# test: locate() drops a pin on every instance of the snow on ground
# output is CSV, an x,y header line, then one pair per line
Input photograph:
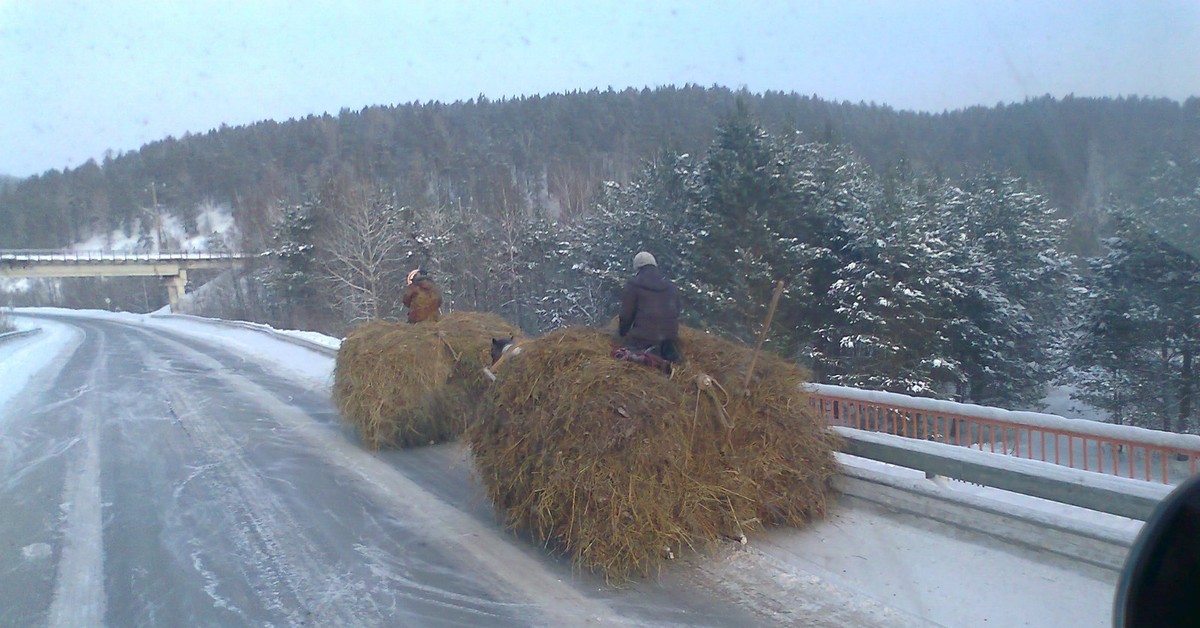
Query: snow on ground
x,y
941,573
1078,517
929,570
311,366
308,365
22,359
164,317
117,240
1058,401
212,222
8,284
900,569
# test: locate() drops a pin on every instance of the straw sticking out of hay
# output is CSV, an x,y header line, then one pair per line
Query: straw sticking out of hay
x,y
404,385
618,466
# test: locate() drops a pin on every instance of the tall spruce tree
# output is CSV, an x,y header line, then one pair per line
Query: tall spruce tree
x,y
745,195
1173,217
1113,354
1006,324
1138,345
294,275
648,214
888,332
767,211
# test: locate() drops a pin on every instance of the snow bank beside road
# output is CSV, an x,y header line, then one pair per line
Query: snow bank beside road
x,y
940,573
1058,401
23,359
311,339
311,364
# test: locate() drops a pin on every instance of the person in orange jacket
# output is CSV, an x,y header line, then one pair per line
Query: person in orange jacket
x,y
422,298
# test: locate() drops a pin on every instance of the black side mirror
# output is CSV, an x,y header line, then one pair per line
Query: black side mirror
x,y
1160,584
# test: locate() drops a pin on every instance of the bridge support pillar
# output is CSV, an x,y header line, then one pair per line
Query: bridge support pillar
x,y
176,288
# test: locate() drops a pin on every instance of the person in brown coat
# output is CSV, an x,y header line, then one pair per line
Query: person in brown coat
x,y
422,298
650,308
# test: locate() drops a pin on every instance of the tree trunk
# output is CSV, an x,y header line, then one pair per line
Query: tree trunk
x,y
1165,370
1185,390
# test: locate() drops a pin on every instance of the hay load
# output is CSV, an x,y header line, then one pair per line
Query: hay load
x,y
621,467
403,385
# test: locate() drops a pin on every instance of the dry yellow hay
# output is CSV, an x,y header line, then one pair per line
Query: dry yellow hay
x,y
403,385
619,466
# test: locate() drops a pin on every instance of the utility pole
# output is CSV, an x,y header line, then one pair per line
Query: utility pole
x,y
157,219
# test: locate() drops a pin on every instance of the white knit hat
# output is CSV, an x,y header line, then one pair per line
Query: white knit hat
x,y
643,259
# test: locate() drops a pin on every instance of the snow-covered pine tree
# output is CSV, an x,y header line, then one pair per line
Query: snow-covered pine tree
x,y
745,195
1114,350
294,274
766,211
1153,289
1170,202
832,190
1136,348
650,213
536,268
1007,326
455,237
1173,217
887,333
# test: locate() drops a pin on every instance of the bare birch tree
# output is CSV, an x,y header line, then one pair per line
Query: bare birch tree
x,y
367,254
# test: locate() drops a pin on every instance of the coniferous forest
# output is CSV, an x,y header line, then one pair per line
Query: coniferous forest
x,y
976,255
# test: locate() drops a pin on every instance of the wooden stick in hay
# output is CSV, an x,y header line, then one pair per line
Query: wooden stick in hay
x,y
705,383
442,336
762,335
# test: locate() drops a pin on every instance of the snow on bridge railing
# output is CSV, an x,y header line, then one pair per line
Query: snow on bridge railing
x,y
47,255
1120,450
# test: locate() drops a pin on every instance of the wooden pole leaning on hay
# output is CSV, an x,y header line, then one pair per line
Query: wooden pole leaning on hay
x,y
442,336
762,335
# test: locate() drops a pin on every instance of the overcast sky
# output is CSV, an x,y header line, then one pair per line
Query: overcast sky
x,y
80,78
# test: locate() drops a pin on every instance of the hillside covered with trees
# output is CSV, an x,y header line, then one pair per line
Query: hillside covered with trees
x,y
973,254
554,150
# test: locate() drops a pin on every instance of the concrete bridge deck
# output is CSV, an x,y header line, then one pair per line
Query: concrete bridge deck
x,y
171,266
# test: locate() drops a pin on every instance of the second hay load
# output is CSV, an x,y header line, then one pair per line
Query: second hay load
x,y
621,467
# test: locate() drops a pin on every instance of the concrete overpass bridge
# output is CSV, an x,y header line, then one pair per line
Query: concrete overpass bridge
x,y
171,266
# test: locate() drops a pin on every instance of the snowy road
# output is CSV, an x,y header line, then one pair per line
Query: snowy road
x,y
151,479
163,472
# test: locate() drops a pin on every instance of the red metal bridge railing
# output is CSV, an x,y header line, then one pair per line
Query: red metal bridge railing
x,y
1120,450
